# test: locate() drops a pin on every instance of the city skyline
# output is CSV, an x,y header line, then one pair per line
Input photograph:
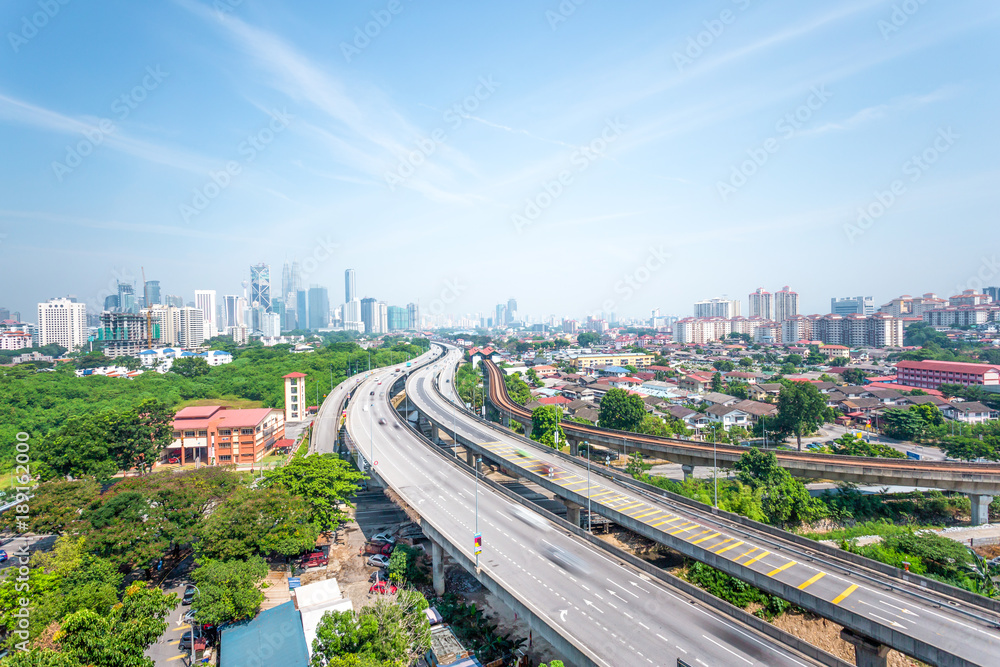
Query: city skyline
x,y
769,146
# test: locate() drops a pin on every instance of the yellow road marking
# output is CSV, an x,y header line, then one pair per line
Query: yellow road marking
x,y
660,523
806,584
575,483
746,553
843,596
781,569
756,558
649,513
707,537
596,495
707,530
731,546
719,544
630,506
186,626
684,527
178,657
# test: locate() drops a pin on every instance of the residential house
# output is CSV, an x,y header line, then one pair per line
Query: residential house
x,y
763,390
692,418
625,383
728,416
755,410
969,412
715,398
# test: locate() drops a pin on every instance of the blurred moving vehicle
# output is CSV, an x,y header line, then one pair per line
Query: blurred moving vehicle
x,y
382,421
565,559
529,517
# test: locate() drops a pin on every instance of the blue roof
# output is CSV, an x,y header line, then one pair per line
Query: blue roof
x,y
274,637
614,369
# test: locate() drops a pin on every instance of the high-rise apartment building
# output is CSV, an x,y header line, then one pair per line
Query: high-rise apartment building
x,y
4,314
413,316
382,317
351,316
122,333
501,315
126,298
232,313
189,324
204,300
993,293
762,304
786,304
319,308
350,289
717,308
173,300
63,322
857,305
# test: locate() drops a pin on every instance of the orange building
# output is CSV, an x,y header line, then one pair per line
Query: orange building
x,y
215,435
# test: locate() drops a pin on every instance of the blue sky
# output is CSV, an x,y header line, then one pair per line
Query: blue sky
x,y
622,156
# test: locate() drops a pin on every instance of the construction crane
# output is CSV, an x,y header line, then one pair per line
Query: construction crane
x,y
149,311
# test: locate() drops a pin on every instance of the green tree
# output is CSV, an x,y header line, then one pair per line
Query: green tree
x,y
587,339
801,409
853,376
746,362
257,521
852,445
723,365
190,367
717,381
228,590
517,388
969,449
903,424
136,436
533,377
340,634
55,505
621,410
784,500
545,425
324,481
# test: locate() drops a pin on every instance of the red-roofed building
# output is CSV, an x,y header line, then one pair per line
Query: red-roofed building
x,y
295,397
546,371
215,435
932,374
561,401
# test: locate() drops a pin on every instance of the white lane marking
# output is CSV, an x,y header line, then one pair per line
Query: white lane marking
x,y
623,588
905,611
749,662
591,604
890,622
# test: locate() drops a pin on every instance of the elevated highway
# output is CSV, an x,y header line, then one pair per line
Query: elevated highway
x,y
978,480
598,610
880,606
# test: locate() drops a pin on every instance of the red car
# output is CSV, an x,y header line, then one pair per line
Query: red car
x,y
383,588
174,459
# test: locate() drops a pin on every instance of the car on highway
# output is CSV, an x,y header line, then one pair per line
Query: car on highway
x,y
382,421
3,556
188,594
383,588
378,560
565,559
396,425
529,517
372,393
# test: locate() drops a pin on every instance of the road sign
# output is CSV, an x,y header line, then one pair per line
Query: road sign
x,y
478,539
376,461
294,582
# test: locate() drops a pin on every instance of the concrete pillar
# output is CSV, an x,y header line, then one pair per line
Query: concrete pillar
x,y
980,508
505,419
527,429
572,512
470,457
867,653
688,470
574,447
435,433
437,568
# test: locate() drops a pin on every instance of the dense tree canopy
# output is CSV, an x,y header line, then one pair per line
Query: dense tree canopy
x,y
545,425
228,590
621,410
324,481
801,409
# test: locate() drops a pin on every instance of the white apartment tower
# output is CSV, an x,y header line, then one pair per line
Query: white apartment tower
x,y
204,300
786,304
63,322
762,304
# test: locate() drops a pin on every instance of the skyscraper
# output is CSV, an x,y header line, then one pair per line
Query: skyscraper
x,y
152,292
173,300
397,318
351,316
319,308
350,289
204,300
786,304
63,322
413,316
4,314
381,317
260,287
302,310
511,310
232,311
762,304
716,308
860,305
501,315
368,315
126,298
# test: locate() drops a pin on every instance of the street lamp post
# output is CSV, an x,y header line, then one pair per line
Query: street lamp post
x,y
193,625
478,462
715,474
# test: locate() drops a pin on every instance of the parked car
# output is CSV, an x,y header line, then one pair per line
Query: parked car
x,y
185,643
383,588
378,560
381,574
3,556
188,594
174,459
384,537
377,547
